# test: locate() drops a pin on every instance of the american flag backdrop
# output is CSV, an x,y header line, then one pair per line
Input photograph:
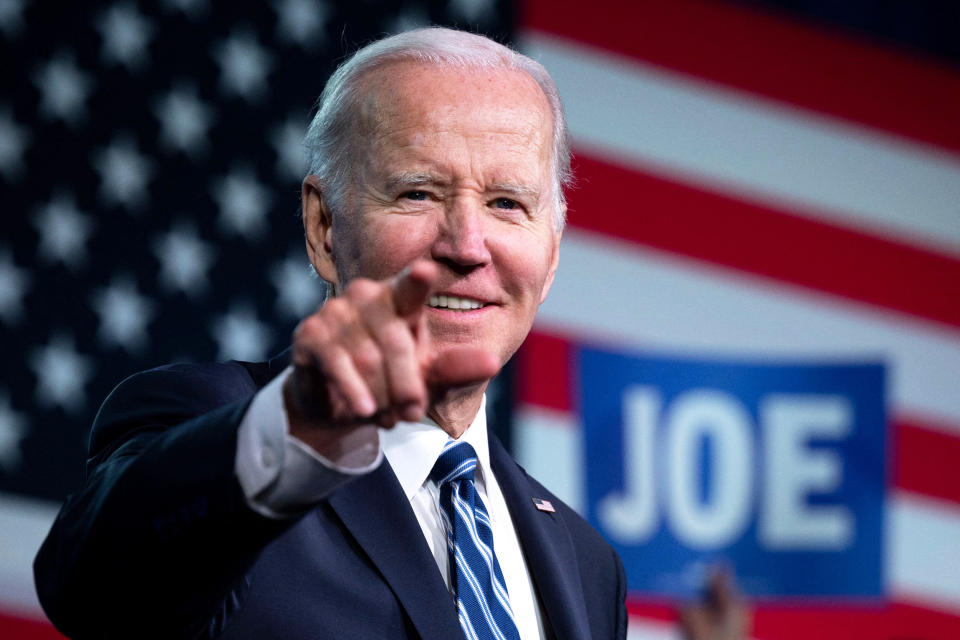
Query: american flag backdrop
x,y
755,180
762,184
150,166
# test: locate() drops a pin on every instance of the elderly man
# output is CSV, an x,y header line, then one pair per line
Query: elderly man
x,y
244,500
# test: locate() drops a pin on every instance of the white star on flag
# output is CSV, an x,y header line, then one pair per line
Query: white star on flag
x,y
193,9
126,36
243,203
63,90
410,18
64,232
244,65
472,11
13,285
287,141
301,21
124,173
12,430
61,373
184,120
299,290
13,140
124,314
11,17
184,260
240,335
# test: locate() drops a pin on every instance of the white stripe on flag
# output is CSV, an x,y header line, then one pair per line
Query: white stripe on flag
x,y
740,144
643,629
547,444
640,299
24,524
639,628
923,539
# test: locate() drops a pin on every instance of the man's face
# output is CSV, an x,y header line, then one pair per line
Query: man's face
x,y
454,167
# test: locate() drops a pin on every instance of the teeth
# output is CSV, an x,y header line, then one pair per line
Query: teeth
x,y
453,302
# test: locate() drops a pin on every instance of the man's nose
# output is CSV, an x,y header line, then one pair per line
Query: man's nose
x,y
462,240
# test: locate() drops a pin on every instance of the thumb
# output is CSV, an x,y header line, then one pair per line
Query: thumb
x,y
459,367
411,289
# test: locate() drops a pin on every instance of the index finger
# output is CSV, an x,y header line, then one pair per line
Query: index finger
x,y
412,287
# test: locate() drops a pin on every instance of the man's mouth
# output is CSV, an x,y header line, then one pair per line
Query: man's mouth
x,y
454,302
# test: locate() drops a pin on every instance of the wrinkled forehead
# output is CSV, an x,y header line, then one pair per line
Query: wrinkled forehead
x,y
399,93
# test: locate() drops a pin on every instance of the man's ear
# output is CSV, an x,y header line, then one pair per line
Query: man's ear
x,y
554,263
318,229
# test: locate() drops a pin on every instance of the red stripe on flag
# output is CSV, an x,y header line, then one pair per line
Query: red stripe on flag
x,y
652,609
543,372
927,461
926,455
723,230
822,69
14,628
892,621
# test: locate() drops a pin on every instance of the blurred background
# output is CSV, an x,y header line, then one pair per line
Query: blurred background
x,y
749,359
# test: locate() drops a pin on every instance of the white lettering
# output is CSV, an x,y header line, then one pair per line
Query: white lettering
x,y
721,420
794,471
631,517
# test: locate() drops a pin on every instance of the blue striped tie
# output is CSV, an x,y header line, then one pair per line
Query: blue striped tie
x,y
482,601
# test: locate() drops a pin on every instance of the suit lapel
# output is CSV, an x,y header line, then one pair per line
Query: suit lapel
x,y
378,515
547,548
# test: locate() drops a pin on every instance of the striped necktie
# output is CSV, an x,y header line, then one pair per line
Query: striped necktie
x,y
482,601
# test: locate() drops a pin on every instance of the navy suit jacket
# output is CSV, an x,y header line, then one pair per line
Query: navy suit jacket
x,y
160,542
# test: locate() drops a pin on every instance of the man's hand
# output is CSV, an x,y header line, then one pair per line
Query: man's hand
x,y
365,357
721,615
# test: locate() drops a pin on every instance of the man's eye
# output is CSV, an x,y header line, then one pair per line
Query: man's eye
x,y
415,195
505,203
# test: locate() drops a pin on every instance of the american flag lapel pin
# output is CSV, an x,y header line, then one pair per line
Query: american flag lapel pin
x,y
543,505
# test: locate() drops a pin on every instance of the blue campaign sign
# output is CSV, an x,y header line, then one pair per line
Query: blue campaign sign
x,y
776,470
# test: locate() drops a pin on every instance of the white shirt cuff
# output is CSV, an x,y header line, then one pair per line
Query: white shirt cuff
x,y
280,475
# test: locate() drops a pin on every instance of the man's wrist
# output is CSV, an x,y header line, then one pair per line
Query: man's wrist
x,y
280,474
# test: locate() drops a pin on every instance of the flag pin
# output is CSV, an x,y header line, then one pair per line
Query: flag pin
x,y
543,505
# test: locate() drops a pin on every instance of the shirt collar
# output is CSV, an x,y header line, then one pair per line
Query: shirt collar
x,y
412,448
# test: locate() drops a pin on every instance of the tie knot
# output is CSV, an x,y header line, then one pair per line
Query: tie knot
x,y
457,460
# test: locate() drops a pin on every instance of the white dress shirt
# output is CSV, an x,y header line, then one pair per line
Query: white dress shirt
x,y
282,476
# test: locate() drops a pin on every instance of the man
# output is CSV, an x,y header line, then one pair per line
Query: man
x,y
248,500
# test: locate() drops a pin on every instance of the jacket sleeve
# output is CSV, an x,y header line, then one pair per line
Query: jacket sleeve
x,y
157,541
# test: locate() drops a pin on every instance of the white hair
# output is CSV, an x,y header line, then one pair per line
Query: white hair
x,y
328,139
